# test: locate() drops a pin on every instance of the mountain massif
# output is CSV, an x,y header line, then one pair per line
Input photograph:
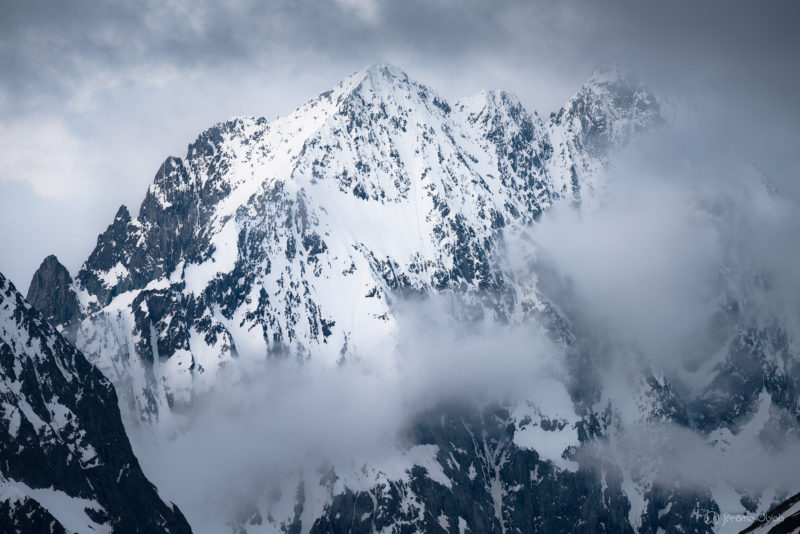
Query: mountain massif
x,y
291,237
296,239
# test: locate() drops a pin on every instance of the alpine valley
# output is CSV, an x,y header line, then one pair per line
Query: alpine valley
x,y
298,246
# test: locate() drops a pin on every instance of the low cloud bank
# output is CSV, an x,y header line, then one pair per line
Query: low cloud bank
x,y
248,438
641,280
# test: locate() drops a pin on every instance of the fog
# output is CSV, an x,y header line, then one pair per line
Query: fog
x,y
690,222
94,97
250,438
641,278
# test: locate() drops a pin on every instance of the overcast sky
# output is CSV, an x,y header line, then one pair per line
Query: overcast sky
x,y
94,95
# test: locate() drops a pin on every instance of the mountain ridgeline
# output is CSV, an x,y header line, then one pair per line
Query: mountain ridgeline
x,y
294,239
374,188
65,461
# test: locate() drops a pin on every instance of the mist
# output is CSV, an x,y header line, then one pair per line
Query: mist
x,y
252,441
647,277
94,97
641,278
696,240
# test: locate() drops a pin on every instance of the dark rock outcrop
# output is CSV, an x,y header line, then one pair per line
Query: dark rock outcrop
x,y
51,294
782,519
64,454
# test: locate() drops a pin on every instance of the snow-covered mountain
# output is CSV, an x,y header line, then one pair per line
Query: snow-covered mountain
x,y
604,115
295,239
292,237
65,461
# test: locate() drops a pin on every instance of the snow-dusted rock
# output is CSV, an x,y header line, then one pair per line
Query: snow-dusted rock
x,y
65,461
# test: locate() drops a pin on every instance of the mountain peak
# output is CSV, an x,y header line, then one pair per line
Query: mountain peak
x,y
384,78
501,98
51,261
493,105
386,71
375,75
611,99
123,214
50,292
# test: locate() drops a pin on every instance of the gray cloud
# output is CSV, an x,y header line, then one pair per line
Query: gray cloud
x,y
51,48
94,95
259,432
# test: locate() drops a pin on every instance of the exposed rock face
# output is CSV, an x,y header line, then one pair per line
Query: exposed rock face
x,y
487,484
65,460
782,519
52,295
25,515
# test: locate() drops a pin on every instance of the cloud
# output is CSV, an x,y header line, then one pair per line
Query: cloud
x,y
246,439
49,51
675,456
42,152
642,266
367,10
94,95
690,223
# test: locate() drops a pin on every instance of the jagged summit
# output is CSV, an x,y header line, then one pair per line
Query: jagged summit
x,y
382,72
376,75
51,294
604,115
615,96
491,100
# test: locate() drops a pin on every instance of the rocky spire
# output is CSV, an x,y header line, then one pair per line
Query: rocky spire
x,y
51,293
